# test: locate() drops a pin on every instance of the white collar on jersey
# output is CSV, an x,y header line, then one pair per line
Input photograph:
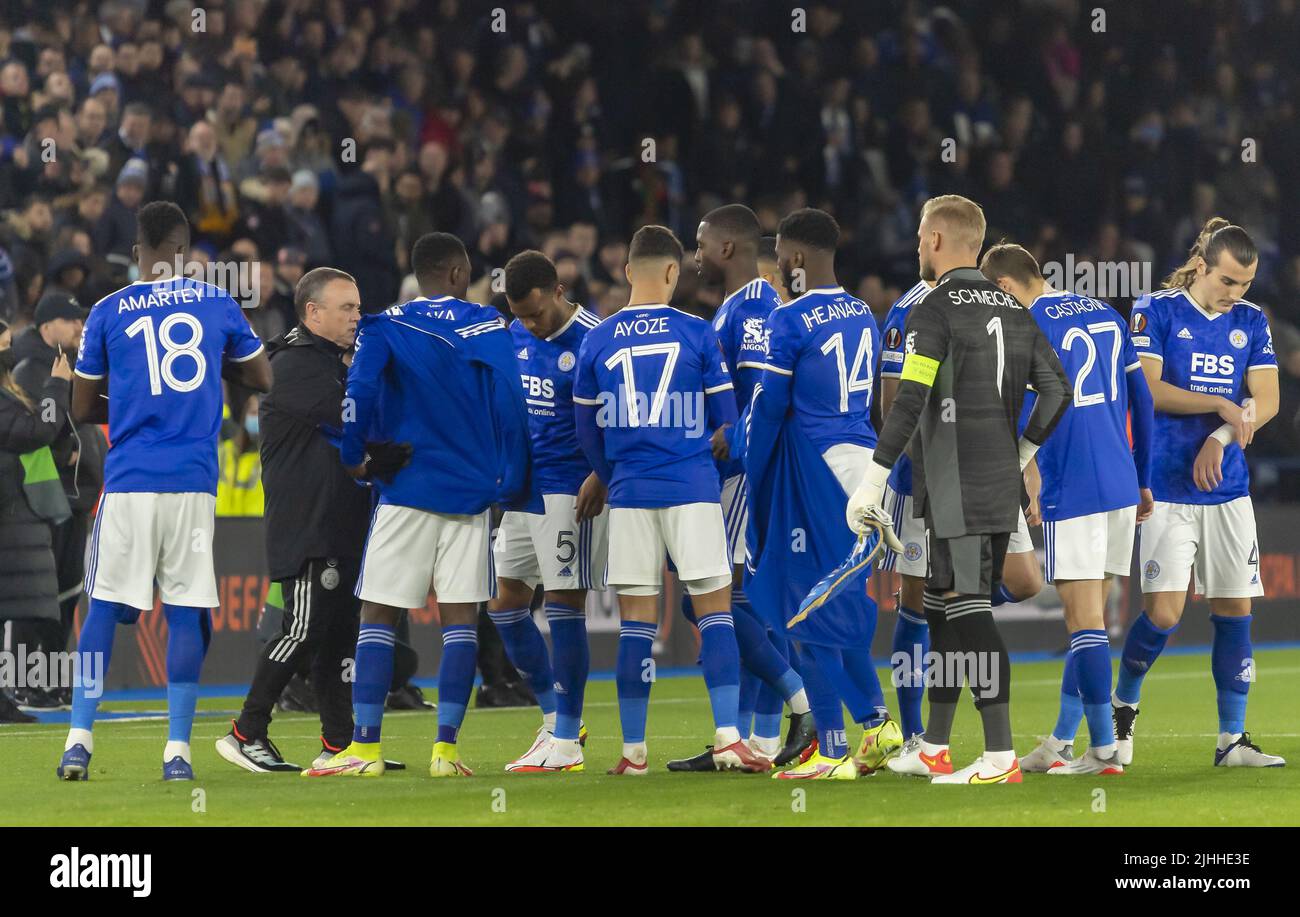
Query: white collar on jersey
x,y
577,310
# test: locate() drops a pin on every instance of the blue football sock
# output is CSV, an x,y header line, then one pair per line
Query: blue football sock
x,y
456,677
526,649
911,643
373,674
757,651
747,701
185,651
1091,652
827,709
1071,712
768,710
1232,660
688,607
1001,596
94,650
1142,647
871,710
720,660
571,664
634,674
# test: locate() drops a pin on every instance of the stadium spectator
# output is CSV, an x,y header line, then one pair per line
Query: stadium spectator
x,y
28,504
77,450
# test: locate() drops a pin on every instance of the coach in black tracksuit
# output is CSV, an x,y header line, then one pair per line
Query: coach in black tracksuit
x,y
316,521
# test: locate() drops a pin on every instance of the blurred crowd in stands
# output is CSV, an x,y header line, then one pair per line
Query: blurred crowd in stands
x,y
296,133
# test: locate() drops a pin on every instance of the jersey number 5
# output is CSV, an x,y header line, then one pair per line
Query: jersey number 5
x,y
165,370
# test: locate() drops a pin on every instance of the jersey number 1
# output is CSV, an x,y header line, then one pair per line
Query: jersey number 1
x,y
165,370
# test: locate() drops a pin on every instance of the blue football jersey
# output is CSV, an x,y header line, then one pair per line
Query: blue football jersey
x,y
1087,463
1210,354
832,338
891,366
659,386
741,324
547,368
161,344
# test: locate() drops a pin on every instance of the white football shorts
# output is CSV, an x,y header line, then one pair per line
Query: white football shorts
x,y
554,549
409,550
1218,540
1090,547
692,534
142,537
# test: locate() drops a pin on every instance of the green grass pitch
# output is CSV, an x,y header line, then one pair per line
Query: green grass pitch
x,y
1171,783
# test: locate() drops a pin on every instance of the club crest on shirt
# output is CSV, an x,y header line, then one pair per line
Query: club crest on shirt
x,y
756,334
1237,338
566,361
911,342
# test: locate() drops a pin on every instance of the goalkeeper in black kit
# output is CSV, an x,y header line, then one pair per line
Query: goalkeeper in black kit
x,y
970,351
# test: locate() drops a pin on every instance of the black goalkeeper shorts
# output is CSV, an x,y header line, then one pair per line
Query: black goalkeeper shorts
x,y
969,565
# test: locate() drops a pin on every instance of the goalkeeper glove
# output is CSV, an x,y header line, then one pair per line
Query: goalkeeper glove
x,y
384,459
865,506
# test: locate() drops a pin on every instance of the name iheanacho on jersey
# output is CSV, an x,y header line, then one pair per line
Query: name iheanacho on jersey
x,y
833,311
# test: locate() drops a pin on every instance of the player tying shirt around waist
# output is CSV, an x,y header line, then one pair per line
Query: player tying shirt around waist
x,y
153,354
726,254
563,549
809,446
439,373
1091,488
652,387
1203,349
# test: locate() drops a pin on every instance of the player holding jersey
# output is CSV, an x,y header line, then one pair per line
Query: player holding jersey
x,y
440,373
816,393
1203,349
727,254
563,549
1091,488
156,350
652,387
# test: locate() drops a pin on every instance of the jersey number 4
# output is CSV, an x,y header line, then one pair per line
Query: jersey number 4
x,y
851,381
164,370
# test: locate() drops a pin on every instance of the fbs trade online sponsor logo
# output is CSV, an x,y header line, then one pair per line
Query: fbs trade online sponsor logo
x,y
103,870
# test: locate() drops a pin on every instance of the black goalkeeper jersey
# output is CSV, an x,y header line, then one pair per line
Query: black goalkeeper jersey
x,y
970,350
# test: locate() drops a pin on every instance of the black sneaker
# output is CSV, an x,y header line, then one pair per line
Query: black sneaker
x,y
9,712
297,697
408,697
1123,717
257,755
701,762
801,734
35,699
